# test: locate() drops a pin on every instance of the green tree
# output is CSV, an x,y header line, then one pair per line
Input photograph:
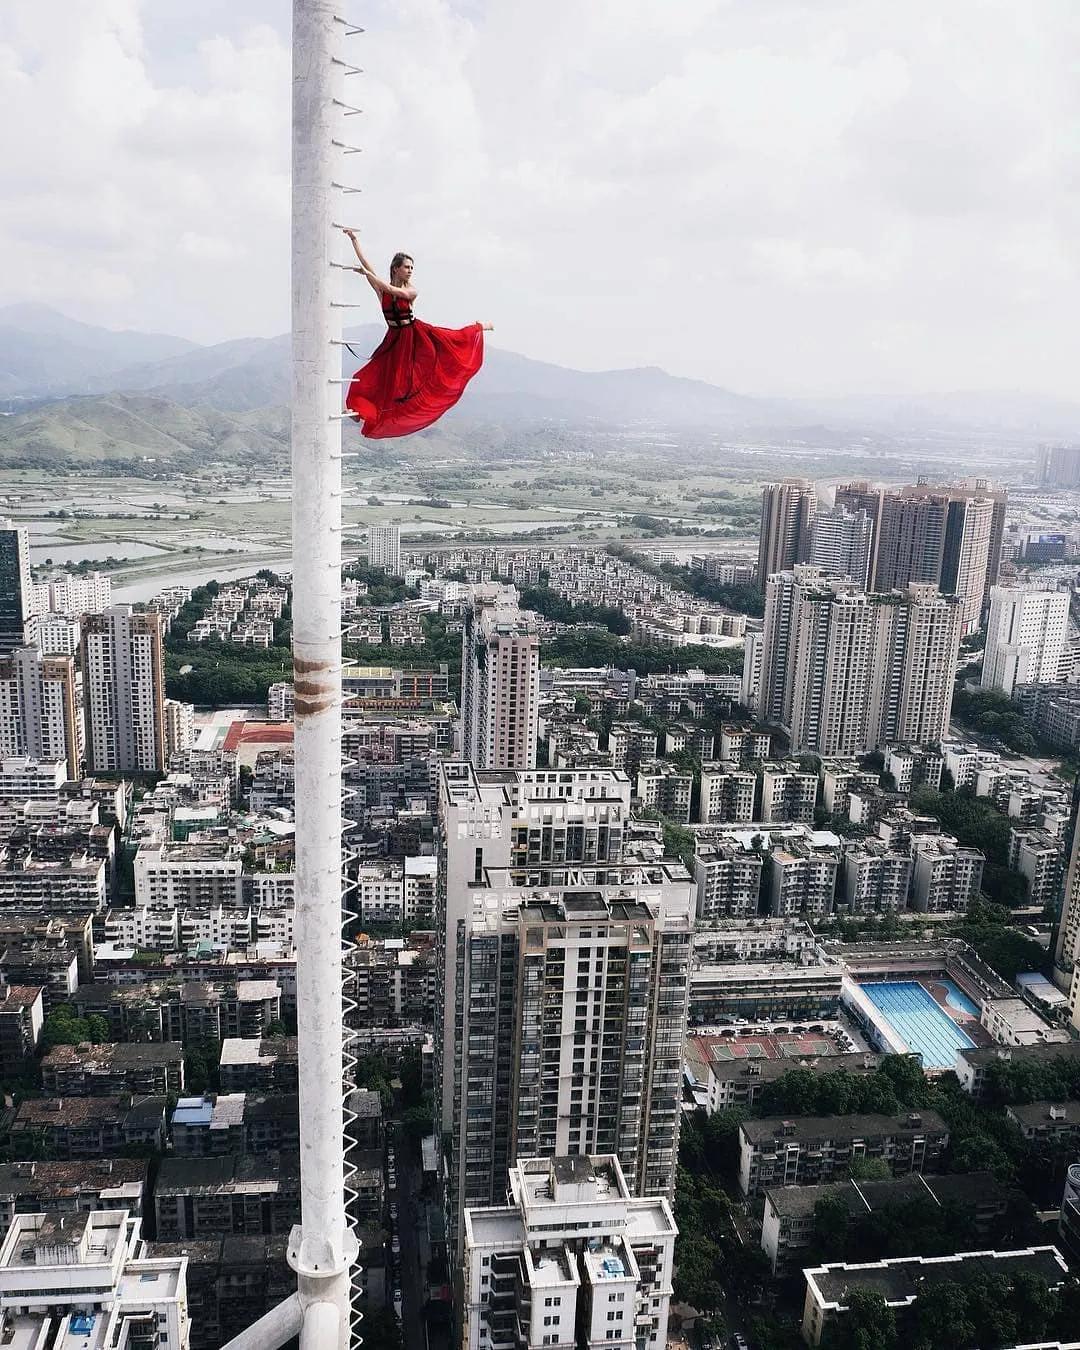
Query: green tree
x,y
942,1318
870,1169
868,1324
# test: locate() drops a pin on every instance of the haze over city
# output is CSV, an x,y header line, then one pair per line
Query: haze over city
x,y
791,197
561,838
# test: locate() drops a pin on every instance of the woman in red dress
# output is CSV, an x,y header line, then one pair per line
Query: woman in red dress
x,y
418,371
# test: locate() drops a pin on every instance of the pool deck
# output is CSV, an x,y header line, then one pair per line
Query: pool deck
x,y
921,1015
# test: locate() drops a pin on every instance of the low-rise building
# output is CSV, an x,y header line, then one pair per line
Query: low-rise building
x,y
877,878
720,1081
72,1187
110,1069
901,1280
87,1127
945,875
265,1065
788,793
1011,1021
913,766
770,991
1038,856
728,792
232,1282
973,1065
207,1197
1039,1121
420,881
728,880
663,788
22,1016
814,1149
802,880
789,1222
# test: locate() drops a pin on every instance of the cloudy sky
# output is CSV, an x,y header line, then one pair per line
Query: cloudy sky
x,y
780,196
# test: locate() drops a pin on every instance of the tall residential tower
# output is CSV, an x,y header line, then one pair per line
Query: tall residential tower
x,y
17,624
124,691
787,510
500,686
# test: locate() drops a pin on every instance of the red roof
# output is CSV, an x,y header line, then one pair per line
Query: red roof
x,y
263,733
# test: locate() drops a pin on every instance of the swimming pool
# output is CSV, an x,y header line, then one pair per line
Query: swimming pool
x,y
956,998
919,1022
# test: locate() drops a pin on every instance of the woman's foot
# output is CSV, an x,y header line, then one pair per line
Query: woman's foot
x,y
487,327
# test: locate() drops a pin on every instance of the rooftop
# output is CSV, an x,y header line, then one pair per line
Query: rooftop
x,y
1057,1115
807,1128
900,1280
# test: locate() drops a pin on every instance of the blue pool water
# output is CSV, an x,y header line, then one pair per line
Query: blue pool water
x,y
919,1022
956,998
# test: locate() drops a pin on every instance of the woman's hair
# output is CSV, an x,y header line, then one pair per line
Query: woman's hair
x,y
398,259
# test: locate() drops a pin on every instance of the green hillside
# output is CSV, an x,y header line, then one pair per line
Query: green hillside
x,y
140,428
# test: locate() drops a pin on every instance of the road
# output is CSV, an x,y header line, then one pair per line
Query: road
x,y
410,1217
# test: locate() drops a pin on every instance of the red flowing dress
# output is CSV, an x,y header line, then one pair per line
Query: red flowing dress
x,y
415,374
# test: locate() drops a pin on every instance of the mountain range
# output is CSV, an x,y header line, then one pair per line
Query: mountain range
x,y
78,392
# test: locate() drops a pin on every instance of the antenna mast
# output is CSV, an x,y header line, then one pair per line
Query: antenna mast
x,y
322,1248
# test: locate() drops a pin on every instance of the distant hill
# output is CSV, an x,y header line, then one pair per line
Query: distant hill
x,y
44,353
155,394
140,428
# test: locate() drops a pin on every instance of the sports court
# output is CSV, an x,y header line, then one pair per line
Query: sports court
x,y
774,1046
927,1022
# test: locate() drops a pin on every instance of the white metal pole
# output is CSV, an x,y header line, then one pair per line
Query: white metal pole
x,y
322,1248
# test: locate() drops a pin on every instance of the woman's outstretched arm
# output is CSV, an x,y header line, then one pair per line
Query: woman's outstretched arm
x,y
373,279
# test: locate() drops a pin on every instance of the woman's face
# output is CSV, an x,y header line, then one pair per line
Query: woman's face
x,y
403,272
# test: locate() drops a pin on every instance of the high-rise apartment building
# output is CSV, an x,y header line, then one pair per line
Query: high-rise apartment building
x,y
17,625
67,593
124,691
845,672
1067,937
574,1259
1059,465
572,1012
384,548
83,1279
1026,633
562,981
787,511
949,536
58,634
500,686
841,543
863,496
41,712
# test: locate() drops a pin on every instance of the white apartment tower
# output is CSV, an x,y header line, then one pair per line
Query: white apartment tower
x,y
500,687
1025,637
73,595
85,1280
841,544
384,548
41,712
574,1259
124,691
562,981
845,672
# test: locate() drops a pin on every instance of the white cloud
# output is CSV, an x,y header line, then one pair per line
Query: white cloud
x,y
779,195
